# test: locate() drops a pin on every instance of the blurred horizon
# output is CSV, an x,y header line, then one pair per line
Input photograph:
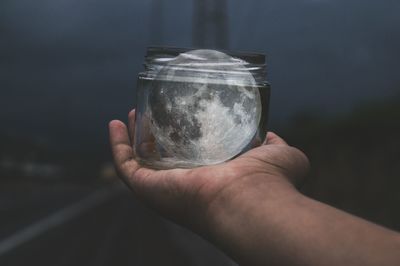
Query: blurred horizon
x,y
68,67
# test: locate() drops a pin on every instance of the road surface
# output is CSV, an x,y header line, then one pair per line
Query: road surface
x,y
61,224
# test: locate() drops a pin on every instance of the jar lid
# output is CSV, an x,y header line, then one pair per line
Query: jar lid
x,y
167,52
204,65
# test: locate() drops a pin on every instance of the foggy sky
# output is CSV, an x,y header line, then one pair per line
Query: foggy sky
x,y
69,66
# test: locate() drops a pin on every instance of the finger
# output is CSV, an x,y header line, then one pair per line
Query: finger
x,y
131,125
121,149
272,138
256,142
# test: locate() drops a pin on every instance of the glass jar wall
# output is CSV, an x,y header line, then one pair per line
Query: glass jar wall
x,y
199,107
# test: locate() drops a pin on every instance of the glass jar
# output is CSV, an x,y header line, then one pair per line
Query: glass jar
x,y
199,107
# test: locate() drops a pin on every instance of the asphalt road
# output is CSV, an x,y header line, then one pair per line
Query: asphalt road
x,y
61,223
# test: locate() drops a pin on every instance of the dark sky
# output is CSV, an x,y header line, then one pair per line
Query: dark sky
x,y
69,66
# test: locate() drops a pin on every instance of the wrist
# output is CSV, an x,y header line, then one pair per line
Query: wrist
x,y
233,217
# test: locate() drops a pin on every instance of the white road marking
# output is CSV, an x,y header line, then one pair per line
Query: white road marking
x,y
56,219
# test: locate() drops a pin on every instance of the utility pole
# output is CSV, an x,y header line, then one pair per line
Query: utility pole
x,y
156,22
210,24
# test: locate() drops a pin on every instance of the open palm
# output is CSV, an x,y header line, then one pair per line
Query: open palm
x,y
185,195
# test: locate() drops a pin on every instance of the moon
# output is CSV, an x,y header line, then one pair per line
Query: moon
x,y
200,111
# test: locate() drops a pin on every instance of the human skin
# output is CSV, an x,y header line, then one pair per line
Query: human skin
x,y
250,208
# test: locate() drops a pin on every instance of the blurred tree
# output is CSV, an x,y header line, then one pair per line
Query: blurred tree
x,y
354,160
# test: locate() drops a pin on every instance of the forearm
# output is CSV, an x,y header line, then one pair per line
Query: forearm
x,y
283,227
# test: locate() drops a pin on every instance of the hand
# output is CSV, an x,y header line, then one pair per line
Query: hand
x,y
249,207
187,195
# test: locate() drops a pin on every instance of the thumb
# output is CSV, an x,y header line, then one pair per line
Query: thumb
x,y
273,138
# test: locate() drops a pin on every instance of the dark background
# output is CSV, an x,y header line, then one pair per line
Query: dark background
x,y
69,67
